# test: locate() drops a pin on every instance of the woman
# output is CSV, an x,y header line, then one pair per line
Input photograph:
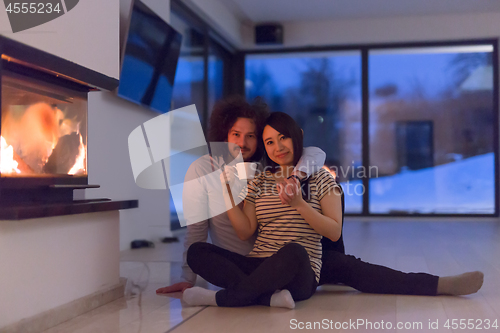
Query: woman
x,y
287,253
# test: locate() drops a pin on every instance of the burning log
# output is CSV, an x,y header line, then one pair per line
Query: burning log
x,y
64,155
33,135
22,166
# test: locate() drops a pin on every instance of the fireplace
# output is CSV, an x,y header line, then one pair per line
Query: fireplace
x,y
44,232
43,125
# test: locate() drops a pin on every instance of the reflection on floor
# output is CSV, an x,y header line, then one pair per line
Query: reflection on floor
x,y
441,248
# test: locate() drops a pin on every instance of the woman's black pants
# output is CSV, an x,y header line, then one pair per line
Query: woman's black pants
x,y
252,281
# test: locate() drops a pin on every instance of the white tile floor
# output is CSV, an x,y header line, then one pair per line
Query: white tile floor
x,y
441,248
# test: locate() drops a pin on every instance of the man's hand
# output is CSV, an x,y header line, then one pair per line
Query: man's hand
x,y
232,186
228,175
181,286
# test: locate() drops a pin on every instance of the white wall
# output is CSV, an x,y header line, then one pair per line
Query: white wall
x,y
220,18
352,31
72,36
49,262
399,29
111,119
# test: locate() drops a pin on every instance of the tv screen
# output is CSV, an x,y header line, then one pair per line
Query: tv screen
x,y
150,59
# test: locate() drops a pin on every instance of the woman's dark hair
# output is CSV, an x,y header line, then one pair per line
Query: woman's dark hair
x,y
285,125
228,110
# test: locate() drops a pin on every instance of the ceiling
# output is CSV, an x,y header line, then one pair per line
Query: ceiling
x,y
260,11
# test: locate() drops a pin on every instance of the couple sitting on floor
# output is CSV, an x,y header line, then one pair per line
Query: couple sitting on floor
x,y
286,238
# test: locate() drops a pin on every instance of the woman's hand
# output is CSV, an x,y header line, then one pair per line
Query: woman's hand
x,y
290,192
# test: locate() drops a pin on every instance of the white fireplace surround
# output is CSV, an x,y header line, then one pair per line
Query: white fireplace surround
x,y
50,262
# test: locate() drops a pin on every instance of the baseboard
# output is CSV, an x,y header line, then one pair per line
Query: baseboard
x,y
56,316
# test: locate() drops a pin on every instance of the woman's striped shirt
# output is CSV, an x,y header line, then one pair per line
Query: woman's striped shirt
x,y
280,224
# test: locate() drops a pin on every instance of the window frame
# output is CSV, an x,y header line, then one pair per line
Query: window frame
x,y
210,37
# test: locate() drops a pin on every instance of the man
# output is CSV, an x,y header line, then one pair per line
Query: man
x,y
240,124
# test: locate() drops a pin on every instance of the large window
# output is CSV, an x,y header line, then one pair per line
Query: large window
x,y
218,67
190,75
322,91
407,130
432,130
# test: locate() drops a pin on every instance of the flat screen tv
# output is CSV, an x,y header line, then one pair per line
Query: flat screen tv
x,y
149,60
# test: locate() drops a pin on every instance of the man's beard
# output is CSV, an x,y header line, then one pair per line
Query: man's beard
x,y
236,150
245,151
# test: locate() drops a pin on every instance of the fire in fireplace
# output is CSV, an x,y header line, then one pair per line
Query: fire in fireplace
x,y
43,127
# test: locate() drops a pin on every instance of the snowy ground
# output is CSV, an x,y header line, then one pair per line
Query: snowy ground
x,y
462,187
